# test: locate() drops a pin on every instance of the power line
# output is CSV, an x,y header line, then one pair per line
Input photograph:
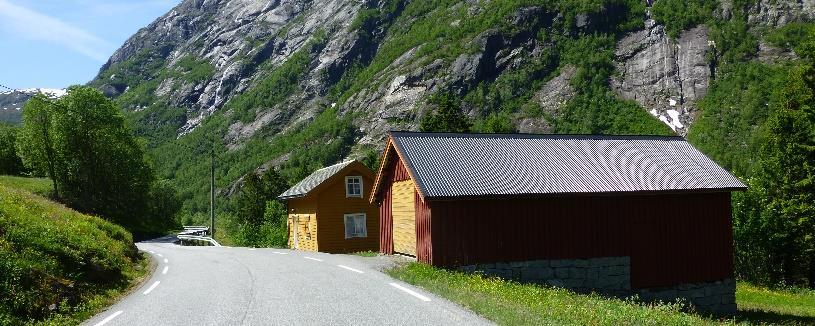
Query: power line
x,y
8,88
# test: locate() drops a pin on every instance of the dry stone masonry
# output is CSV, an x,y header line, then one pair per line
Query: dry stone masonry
x,y
610,276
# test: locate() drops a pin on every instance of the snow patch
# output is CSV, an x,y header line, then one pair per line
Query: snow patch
x,y
654,112
672,102
675,119
665,120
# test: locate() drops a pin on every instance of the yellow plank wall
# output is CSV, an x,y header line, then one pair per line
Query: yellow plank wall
x,y
306,213
332,205
404,217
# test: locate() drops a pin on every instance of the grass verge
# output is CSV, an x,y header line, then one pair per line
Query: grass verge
x,y
760,305
58,266
511,303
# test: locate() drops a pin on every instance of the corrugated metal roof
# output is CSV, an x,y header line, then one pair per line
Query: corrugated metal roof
x,y
453,165
308,184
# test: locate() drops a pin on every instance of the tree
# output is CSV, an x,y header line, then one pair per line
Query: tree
x,y
774,222
35,141
97,164
256,195
447,117
10,162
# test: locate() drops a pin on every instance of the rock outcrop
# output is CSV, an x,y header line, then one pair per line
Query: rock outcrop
x,y
667,77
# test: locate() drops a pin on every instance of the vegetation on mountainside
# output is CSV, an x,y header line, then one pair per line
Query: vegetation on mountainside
x,y
447,116
511,303
80,141
58,266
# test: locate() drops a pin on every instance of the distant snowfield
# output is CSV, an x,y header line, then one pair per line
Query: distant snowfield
x,y
50,92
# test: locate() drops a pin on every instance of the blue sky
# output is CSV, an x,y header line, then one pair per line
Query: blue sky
x,y
58,43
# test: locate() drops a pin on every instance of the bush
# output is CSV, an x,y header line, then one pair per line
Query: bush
x,y
53,259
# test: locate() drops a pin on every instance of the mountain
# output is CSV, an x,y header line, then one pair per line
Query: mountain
x,y
301,84
11,102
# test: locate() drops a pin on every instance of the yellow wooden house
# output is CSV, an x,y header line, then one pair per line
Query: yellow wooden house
x,y
328,211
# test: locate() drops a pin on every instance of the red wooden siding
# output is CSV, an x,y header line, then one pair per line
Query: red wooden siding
x,y
671,238
424,243
395,171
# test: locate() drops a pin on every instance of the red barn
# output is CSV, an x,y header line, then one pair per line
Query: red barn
x,y
614,214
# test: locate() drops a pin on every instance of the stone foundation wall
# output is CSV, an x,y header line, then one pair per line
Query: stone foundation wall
x,y
610,276
717,297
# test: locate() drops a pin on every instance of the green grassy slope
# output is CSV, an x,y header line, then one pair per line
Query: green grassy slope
x,y
58,266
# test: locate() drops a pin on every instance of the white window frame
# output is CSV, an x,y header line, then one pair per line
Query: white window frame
x,y
355,233
361,188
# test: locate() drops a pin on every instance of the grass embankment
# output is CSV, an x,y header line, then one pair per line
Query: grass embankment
x,y
58,266
39,186
511,303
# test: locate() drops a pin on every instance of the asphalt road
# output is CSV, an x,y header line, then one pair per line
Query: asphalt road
x,y
242,286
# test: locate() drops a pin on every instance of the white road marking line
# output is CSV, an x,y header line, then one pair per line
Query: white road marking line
x,y
312,258
351,269
166,268
152,287
251,249
279,253
109,318
166,261
160,255
411,292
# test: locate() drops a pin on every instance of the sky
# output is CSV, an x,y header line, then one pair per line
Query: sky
x,y
58,43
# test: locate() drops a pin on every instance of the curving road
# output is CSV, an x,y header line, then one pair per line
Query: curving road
x,y
242,286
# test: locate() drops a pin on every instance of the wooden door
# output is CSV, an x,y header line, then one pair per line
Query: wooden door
x,y
404,217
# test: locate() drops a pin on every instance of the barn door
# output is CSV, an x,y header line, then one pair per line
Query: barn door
x,y
404,217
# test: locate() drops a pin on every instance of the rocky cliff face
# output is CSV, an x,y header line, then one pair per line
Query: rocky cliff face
x,y
268,68
665,76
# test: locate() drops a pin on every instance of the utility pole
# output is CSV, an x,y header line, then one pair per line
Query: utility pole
x,y
212,196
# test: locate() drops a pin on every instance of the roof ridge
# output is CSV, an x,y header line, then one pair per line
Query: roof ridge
x,y
398,133
335,165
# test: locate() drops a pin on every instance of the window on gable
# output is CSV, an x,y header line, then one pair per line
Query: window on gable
x,y
353,186
355,226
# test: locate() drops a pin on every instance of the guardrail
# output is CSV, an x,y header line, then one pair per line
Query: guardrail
x,y
186,237
195,230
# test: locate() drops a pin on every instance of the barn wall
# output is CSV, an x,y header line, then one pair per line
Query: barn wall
x,y
424,243
303,211
671,238
395,171
332,205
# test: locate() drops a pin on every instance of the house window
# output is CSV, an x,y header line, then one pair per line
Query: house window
x,y
355,226
353,186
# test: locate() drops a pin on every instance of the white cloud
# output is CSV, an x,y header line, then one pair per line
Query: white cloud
x,y
24,22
